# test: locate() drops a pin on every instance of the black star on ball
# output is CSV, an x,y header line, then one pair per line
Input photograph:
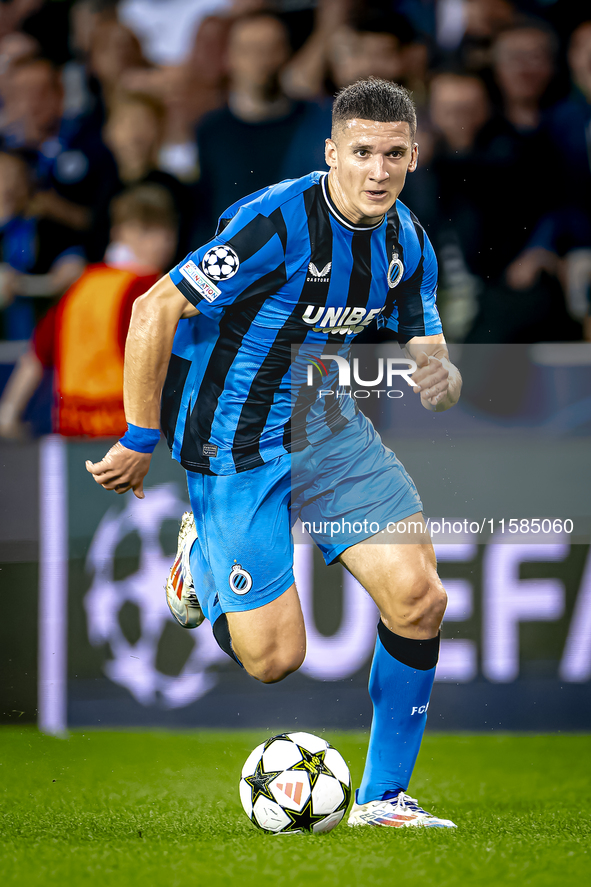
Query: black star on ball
x,y
304,820
312,764
273,738
259,782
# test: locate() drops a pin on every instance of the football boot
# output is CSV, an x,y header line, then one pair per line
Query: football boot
x,y
180,589
399,812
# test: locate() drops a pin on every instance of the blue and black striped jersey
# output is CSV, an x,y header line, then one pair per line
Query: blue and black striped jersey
x,y
285,279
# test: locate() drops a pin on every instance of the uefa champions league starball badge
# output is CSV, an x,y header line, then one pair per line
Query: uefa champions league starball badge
x,y
220,263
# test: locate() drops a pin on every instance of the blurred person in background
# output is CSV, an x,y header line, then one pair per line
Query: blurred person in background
x,y
186,92
524,66
351,41
166,29
83,337
45,21
569,121
466,32
39,258
305,75
13,48
459,110
14,12
489,207
372,46
134,132
82,93
114,50
74,172
261,136
569,128
190,91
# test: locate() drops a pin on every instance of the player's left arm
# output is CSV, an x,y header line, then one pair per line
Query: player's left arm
x,y
437,380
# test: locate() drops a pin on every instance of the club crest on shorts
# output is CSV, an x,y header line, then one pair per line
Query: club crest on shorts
x,y
240,580
395,271
220,263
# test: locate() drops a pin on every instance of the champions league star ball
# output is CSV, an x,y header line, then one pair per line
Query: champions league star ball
x,y
295,782
220,263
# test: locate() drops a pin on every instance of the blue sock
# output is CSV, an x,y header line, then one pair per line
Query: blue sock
x,y
400,683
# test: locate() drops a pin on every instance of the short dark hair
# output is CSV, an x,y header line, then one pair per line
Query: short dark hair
x,y
374,99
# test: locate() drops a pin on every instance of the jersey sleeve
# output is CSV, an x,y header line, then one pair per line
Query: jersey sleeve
x,y
245,260
414,309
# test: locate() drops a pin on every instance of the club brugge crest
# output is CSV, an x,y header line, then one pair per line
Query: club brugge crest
x,y
395,271
240,580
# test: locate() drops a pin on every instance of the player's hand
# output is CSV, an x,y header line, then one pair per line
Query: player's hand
x,y
8,285
121,470
11,427
431,378
524,271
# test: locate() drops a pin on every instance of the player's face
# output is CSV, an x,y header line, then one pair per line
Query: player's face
x,y
368,165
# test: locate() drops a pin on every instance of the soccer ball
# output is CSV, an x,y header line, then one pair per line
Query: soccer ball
x,y
295,782
220,263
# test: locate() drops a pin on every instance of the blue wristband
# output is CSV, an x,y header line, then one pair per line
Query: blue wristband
x,y
142,440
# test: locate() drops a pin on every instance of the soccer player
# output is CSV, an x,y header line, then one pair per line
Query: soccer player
x,y
215,354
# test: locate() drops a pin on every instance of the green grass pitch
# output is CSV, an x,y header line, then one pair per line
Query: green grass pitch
x,y
155,808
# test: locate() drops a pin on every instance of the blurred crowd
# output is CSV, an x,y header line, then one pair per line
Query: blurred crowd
x,y
127,126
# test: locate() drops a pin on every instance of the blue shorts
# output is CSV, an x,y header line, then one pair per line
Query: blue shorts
x,y
344,490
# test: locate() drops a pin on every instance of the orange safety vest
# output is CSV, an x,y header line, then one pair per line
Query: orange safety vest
x,y
89,358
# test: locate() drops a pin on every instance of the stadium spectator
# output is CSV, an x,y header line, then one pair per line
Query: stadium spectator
x,y
82,94
572,117
467,45
352,42
523,64
190,91
39,258
13,14
305,75
74,172
187,91
568,124
46,21
232,50
134,132
489,203
261,136
167,30
371,47
459,110
83,337
114,50
569,127
13,48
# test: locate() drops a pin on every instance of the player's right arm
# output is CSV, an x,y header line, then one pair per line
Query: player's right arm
x,y
254,267
147,353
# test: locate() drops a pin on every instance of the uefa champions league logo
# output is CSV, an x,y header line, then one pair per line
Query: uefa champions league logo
x,y
220,263
134,665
